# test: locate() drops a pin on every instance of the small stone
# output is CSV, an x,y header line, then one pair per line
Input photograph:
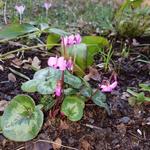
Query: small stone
x,y
124,120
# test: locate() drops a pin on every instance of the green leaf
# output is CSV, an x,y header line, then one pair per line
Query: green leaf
x,y
135,3
70,91
132,92
72,80
48,73
52,39
21,120
100,99
43,26
58,32
95,43
73,107
48,102
15,30
145,87
86,92
79,52
47,87
1,3
140,97
31,85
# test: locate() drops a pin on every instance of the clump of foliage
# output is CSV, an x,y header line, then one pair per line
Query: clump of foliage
x,y
61,85
131,20
140,97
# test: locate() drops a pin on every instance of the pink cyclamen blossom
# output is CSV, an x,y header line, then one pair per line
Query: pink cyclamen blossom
x,y
78,39
70,64
57,63
52,62
58,89
71,40
47,5
61,63
108,87
20,8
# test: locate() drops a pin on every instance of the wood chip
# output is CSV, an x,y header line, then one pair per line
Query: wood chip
x,y
3,104
57,144
36,63
11,77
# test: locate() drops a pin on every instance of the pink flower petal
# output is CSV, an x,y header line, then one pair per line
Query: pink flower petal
x,y
61,63
78,38
20,8
58,89
70,64
47,5
109,87
114,84
52,61
71,40
106,88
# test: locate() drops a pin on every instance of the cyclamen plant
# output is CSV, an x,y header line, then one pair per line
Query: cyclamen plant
x,y
47,5
20,9
71,40
61,91
58,83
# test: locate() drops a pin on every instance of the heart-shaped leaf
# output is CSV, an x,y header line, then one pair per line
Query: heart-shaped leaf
x,y
48,102
48,73
100,99
47,87
79,52
73,107
86,92
31,85
15,30
21,120
72,80
52,39
95,43
70,91
58,31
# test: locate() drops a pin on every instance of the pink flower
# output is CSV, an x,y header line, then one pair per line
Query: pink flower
x,y
70,64
108,87
78,38
47,5
61,63
58,89
20,8
57,63
52,62
71,40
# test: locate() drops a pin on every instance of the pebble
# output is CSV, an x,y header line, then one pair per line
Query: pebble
x,y
125,119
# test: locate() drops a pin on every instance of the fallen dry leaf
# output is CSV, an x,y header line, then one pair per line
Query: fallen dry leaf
x,y
3,105
85,145
36,63
11,77
57,144
93,74
17,62
63,125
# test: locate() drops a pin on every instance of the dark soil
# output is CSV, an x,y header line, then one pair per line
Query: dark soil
x,y
127,128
